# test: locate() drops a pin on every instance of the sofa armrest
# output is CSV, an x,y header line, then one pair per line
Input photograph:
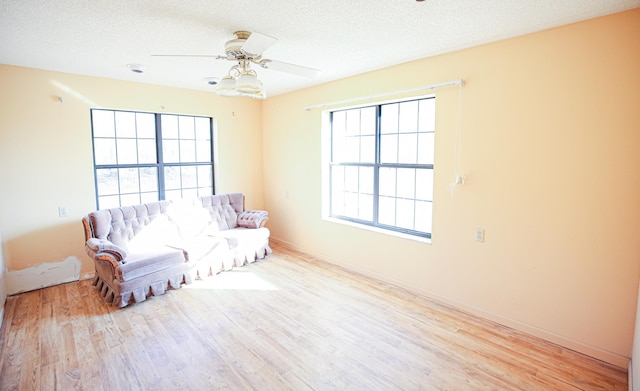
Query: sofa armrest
x,y
107,258
253,218
105,247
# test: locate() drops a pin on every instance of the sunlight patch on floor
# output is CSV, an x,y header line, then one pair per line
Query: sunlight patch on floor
x,y
235,279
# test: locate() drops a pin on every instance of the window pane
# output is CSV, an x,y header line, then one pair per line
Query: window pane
x,y
406,182
389,148
172,178
351,204
103,123
189,177
171,151
105,151
425,148
169,126
127,151
351,179
130,199
387,182
366,180
352,149
389,118
129,180
353,123
147,151
148,179
339,119
205,179
149,197
203,128
337,190
427,119
409,117
125,124
404,213
367,149
387,211
186,127
203,151
407,148
365,209
146,125
424,185
107,180
107,202
187,151
368,121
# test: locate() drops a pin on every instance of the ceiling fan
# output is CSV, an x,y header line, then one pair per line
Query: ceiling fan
x,y
246,49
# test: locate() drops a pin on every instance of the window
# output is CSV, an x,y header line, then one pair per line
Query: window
x,y
143,157
381,165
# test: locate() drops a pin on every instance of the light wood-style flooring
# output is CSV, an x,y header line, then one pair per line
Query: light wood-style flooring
x,y
289,322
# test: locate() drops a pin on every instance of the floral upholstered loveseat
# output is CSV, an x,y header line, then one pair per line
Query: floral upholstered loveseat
x,y
145,249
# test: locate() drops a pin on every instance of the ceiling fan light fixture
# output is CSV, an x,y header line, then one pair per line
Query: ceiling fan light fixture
x,y
241,81
227,87
248,83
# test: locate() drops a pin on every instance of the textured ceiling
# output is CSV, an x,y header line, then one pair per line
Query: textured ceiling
x,y
340,38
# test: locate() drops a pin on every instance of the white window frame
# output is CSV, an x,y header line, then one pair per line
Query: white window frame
x,y
189,153
328,164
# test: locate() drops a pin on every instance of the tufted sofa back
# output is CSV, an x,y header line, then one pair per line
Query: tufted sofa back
x,y
121,225
223,209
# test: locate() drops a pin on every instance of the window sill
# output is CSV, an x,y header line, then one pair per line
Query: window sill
x,y
379,230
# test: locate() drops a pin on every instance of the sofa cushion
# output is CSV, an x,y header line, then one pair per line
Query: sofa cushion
x,y
158,232
190,219
143,263
243,236
200,246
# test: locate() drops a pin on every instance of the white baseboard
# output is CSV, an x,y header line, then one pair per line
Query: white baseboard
x,y
591,351
43,275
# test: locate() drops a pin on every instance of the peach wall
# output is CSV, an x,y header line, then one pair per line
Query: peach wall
x,y
46,154
550,145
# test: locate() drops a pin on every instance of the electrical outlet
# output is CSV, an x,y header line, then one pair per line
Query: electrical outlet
x,y
479,235
63,211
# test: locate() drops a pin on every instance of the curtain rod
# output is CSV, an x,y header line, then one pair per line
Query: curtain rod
x,y
457,82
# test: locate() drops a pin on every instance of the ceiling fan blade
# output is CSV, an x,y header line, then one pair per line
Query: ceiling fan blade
x,y
289,68
216,56
257,43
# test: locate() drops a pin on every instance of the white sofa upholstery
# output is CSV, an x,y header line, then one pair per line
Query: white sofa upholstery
x,y
143,250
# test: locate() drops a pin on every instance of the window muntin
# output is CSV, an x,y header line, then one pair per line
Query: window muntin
x,y
381,165
142,157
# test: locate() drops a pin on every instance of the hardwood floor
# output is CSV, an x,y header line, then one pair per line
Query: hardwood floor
x,y
289,322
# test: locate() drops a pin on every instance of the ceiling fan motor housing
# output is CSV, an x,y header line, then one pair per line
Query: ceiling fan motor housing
x,y
233,48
